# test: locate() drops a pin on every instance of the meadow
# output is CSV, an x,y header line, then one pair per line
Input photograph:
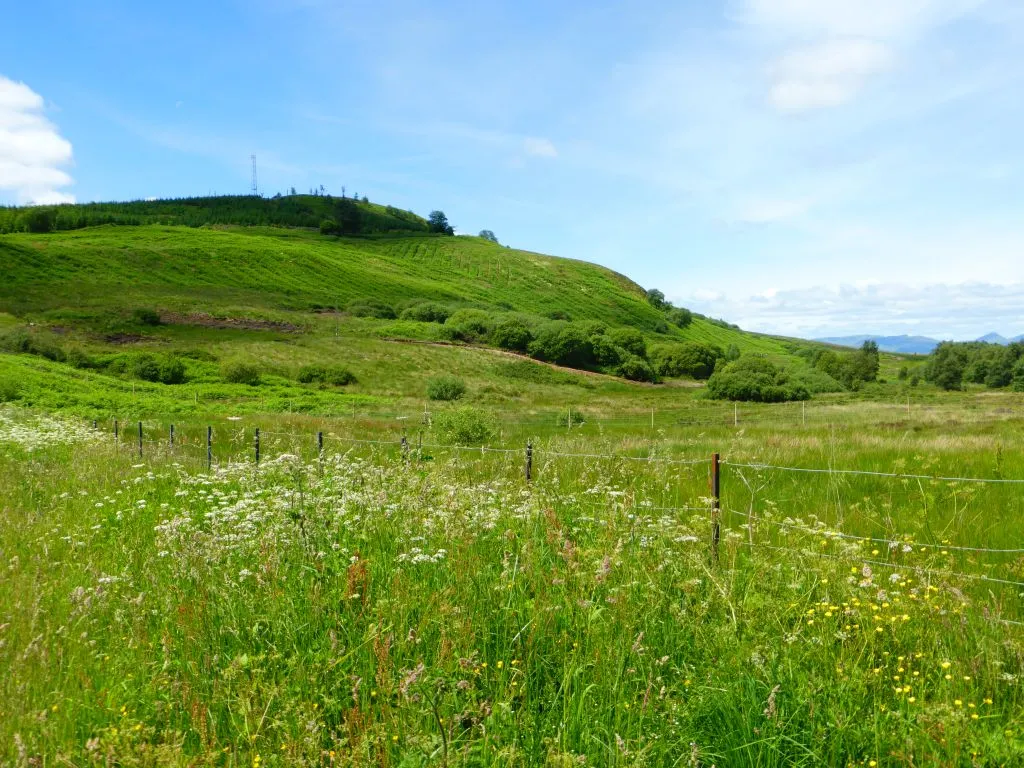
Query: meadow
x,y
427,605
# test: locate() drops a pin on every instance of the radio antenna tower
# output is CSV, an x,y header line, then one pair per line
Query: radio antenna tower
x,y
255,188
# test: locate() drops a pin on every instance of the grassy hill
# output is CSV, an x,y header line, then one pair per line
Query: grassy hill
x,y
276,297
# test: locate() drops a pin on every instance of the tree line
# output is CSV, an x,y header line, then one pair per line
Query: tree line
x,y
348,216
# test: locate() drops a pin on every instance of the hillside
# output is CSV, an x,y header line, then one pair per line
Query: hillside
x,y
281,298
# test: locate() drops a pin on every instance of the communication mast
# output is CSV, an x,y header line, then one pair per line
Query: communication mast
x,y
255,188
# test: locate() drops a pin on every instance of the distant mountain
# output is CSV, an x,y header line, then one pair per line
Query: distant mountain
x,y
905,345
910,345
994,338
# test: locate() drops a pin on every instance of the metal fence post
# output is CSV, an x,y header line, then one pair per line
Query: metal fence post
x,y
716,506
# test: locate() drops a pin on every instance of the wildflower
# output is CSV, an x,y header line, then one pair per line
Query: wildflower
x,y
945,665
957,703
911,699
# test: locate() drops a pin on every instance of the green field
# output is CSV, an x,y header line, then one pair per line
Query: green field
x,y
432,607
407,597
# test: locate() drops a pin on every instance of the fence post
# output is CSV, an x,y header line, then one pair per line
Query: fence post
x,y
405,448
115,431
140,439
256,445
716,513
209,449
529,462
94,425
170,439
320,450
803,412
735,414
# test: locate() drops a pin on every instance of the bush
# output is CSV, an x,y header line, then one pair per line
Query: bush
x,y
512,333
571,417
37,343
755,379
464,426
371,308
10,390
145,367
606,353
445,388
79,359
468,325
563,343
334,375
636,369
630,340
240,373
680,317
328,227
144,316
691,359
40,220
172,371
427,312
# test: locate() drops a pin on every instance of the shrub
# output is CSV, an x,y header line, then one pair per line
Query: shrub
x,y
144,316
691,359
563,343
371,308
79,359
37,343
680,317
558,314
636,369
334,375
10,390
40,220
328,227
756,379
240,373
606,353
464,426
512,333
145,367
468,325
427,312
630,340
445,388
572,417
172,371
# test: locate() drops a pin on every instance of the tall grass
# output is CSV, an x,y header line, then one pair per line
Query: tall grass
x,y
432,608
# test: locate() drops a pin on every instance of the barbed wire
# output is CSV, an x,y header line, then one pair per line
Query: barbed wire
x,y
891,543
869,473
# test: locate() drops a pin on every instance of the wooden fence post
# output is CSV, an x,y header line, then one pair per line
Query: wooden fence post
x,y
116,432
529,462
140,439
257,446
716,506
320,450
209,449
405,448
170,437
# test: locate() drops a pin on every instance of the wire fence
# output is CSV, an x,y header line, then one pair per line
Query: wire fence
x,y
136,438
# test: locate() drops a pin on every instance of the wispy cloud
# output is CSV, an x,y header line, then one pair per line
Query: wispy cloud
x,y
33,154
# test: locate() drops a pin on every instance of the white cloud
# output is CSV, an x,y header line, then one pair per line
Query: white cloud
x,y
841,18
539,147
941,310
32,152
827,74
832,47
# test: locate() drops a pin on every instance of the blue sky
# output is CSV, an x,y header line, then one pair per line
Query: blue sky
x,y
809,167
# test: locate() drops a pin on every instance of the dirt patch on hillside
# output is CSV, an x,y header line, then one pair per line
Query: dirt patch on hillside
x,y
205,320
123,338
